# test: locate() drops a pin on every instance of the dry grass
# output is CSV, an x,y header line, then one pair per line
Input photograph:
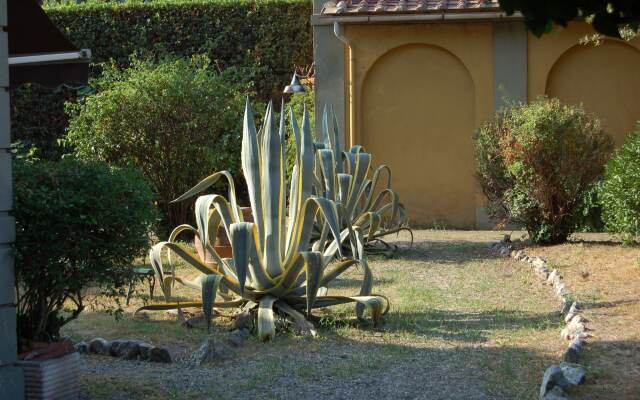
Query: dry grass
x,y
606,278
464,324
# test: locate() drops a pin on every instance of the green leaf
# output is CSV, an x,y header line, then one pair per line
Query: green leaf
x,y
210,285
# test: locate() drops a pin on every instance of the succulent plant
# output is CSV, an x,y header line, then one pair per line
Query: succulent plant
x,y
344,177
277,263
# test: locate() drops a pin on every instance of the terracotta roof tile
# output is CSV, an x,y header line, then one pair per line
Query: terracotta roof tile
x,y
357,7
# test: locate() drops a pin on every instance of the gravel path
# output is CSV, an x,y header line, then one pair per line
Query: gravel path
x,y
464,324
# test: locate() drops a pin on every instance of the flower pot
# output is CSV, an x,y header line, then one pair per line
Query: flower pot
x,y
222,244
51,371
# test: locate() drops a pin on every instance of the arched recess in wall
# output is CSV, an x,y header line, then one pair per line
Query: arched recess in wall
x,y
605,79
417,116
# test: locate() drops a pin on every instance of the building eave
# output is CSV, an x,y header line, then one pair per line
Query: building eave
x,y
329,19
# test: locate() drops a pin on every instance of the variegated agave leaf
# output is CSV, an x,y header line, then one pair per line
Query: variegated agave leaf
x,y
344,177
277,261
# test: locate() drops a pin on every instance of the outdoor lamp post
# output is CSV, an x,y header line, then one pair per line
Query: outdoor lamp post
x,y
294,86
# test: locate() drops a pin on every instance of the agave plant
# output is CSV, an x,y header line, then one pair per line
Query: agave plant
x,y
343,176
276,264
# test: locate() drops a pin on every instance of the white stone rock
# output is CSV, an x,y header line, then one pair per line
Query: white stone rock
x,y
539,262
572,374
552,276
572,330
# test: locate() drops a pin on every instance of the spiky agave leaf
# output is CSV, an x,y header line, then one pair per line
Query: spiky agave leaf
x,y
343,177
273,262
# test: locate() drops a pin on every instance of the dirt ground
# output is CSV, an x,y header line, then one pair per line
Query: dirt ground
x,y
606,279
464,324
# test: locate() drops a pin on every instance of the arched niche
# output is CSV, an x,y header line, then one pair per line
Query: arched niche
x,y
418,116
605,79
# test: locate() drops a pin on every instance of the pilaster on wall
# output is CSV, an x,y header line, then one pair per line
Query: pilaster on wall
x,y
328,56
11,377
509,80
509,63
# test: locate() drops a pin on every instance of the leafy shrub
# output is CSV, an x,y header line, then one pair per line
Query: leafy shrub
x,y
620,193
535,162
38,119
269,36
589,210
175,121
78,224
263,39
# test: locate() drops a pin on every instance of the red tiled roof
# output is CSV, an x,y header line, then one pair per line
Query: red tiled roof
x,y
359,7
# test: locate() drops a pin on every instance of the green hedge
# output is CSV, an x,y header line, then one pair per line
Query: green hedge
x,y
267,38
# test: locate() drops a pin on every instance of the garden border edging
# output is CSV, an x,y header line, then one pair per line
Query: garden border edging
x,y
557,378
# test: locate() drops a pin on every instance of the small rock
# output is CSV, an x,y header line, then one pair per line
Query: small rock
x,y
571,312
578,318
573,374
99,346
572,353
144,351
244,320
555,394
553,377
560,289
552,276
125,349
81,347
567,302
572,330
539,262
159,354
208,351
504,251
238,337
517,255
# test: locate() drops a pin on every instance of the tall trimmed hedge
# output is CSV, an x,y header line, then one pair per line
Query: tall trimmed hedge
x,y
265,37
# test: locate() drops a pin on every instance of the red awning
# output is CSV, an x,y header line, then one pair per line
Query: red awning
x,y
38,51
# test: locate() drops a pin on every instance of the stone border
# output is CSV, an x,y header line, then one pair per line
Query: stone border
x,y
556,378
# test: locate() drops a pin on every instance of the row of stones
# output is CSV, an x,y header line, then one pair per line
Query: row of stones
x,y
557,378
125,349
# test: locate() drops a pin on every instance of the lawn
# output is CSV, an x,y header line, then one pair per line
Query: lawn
x,y
464,324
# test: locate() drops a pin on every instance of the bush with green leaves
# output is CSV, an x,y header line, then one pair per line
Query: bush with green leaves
x,y
534,163
78,225
620,192
175,121
263,39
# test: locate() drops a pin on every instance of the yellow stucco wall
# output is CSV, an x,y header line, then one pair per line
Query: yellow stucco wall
x,y
604,78
418,92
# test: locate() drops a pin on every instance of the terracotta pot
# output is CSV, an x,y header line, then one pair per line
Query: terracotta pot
x,y
222,244
51,371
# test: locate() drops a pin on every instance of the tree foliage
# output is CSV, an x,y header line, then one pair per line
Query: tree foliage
x,y
608,17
